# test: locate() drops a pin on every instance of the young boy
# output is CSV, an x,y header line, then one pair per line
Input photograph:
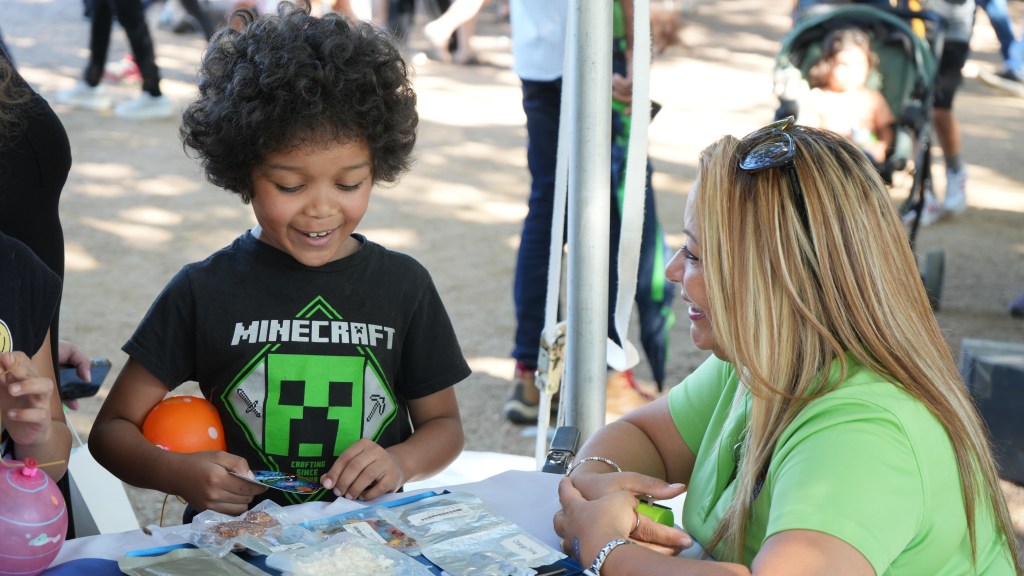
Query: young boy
x,y
326,355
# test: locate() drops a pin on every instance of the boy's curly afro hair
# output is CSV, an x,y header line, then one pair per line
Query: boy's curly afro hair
x,y
287,80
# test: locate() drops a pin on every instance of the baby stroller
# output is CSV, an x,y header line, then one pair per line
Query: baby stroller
x,y
905,75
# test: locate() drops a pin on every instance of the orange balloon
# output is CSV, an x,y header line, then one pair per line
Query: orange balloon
x,y
184,424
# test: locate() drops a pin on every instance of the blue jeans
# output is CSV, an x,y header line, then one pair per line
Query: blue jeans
x,y
541,103
1011,48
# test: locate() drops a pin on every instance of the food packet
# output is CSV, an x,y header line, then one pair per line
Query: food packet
x,y
442,517
367,523
345,554
187,562
503,550
265,529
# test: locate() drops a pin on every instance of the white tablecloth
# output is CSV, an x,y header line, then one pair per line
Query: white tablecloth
x,y
529,499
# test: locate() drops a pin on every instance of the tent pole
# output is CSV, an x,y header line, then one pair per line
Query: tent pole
x,y
588,216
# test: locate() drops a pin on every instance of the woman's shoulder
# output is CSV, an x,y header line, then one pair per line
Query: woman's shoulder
x,y
866,394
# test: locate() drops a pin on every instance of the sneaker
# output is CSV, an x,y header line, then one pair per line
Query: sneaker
x,y
523,404
145,107
124,71
1005,79
932,211
1017,307
955,201
86,97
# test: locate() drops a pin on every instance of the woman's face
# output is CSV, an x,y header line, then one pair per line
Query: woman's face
x,y
687,270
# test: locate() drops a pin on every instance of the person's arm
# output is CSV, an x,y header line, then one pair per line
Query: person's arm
x,y
644,441
365,470
655,461
589,525
117,443
885,122
31,409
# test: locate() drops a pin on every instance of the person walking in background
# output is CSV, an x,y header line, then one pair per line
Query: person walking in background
x,y
90,94
538,44
459,19
1010,76
959,19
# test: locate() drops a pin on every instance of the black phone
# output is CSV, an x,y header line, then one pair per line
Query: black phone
x,y
72,387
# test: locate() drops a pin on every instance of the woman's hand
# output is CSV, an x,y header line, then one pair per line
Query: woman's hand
x,y
206,482
587,525
364,471
25,400
594,487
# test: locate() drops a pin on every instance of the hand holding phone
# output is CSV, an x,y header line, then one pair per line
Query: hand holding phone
x,y
72,386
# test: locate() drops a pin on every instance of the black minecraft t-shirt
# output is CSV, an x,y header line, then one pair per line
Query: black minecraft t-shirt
x,y
302,361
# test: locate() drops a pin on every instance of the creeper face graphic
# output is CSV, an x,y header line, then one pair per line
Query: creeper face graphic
x,y
304,398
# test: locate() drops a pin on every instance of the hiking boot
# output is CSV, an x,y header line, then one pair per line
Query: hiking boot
x,y
623,394
523,403
955,201
145,107
932,211
85,97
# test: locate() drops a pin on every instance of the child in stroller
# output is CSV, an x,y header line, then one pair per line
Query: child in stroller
x,y
840,99
906,75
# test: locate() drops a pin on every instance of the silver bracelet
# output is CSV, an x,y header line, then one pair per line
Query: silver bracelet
x,y
595,568
576,463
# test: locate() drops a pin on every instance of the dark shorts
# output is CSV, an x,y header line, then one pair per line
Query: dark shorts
x,y
954,55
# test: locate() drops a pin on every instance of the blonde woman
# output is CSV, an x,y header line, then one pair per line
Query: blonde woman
x,y
830,432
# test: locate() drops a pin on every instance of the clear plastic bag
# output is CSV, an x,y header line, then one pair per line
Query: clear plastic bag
x,y
504,550
345,554
367,522
264,528
442,517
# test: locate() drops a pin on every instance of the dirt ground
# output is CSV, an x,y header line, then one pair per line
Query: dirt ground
x,y
136,208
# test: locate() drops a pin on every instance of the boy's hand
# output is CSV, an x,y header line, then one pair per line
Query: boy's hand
x,y
206,482
24,400
364,471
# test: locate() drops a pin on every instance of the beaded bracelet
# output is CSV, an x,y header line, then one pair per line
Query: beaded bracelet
x,y
576,463
595,568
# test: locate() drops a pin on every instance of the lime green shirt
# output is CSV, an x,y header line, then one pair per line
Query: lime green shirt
x,y
866,463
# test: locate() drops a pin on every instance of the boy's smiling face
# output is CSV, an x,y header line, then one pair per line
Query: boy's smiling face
x,y
309,200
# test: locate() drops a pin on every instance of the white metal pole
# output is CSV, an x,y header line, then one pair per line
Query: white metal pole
x,y
588,215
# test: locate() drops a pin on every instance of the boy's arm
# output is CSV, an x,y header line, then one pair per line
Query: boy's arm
x,y
437,437
117,443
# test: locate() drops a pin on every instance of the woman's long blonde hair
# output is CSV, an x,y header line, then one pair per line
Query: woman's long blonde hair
x,y
794,288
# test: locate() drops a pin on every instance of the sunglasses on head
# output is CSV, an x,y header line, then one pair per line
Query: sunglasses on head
x,y
773,147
